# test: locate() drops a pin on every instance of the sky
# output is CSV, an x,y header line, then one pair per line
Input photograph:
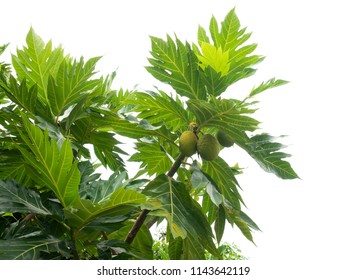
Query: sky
x,y
302,221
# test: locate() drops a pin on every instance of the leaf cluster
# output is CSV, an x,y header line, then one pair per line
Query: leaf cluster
x,y
60,121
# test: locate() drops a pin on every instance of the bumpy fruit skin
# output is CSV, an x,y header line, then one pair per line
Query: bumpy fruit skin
x,y
224,139
208,147
188,143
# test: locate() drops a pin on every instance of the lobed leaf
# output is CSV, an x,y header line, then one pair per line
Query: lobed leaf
x,y
177,65
183,214
71,84
159,108
267,154
16,198
154,160
118,204
30,248
224,112
267,85
37,62
51,167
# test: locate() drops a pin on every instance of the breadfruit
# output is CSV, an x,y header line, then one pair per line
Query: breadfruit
x,y
208,147
188,143
224,139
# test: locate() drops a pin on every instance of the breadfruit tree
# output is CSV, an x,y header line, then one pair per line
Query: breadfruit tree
x,y
60,122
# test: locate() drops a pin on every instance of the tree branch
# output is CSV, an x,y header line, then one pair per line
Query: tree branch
x,y
141,218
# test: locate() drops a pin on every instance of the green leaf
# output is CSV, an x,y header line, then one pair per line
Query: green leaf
x,y
177,65
267,85
183,214
234,60
222,176
219,226
28,248
13,166
202,35
142,243
244,228
17,199
175,248
71,84
200,180
224,112
37,62
119,203
193,249
266,152
99,191
51,167
159,108
106,149
214,57
154,160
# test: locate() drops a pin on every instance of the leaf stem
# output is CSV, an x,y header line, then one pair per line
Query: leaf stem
x,y
141,218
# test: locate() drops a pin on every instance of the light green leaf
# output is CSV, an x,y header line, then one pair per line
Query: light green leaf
x,y
17,199
234,58
51,167
214,57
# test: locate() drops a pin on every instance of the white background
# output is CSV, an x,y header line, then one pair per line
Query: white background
x,y
302,221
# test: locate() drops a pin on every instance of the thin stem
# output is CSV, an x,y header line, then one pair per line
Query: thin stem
x,y
141,218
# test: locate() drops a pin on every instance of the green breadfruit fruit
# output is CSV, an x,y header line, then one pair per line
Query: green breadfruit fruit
x,y
188,143
208,147
224,139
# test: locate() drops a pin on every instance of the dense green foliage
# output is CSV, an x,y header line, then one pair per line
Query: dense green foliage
x,y
57,115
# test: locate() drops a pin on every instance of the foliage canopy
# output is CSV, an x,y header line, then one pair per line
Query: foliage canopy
x,y
57,114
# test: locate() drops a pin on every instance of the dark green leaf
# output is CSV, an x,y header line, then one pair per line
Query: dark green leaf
x,y
30,248
184,215
119,203
175,248
219,226
142,243
16,198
